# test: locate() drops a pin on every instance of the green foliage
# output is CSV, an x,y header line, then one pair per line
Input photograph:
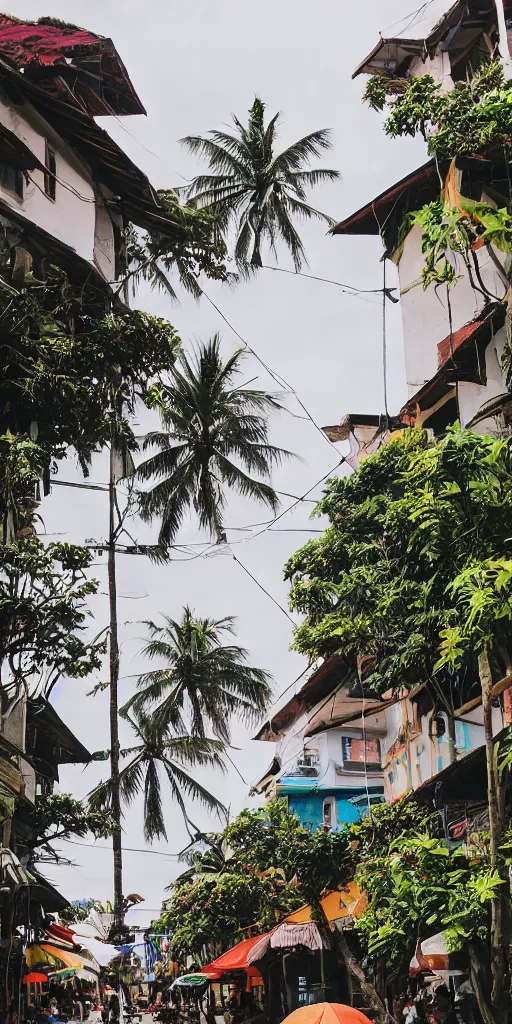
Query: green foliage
x,y
160,750
202,675
214,439
418,887
60,361
451,229
414,566
468,119
60,816
43,594
378,88
189,243
272,865
21,467
255,189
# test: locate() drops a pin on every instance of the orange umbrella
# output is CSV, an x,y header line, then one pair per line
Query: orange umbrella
x,y
326,1013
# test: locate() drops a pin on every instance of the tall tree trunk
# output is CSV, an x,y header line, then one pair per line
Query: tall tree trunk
x,y
500,924
337,941
479,973
114,679
372,999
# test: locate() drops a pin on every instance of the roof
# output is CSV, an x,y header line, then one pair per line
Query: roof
x,y
343,430
371,219
108,163
83,68
460,357
458,27
42,719
326,678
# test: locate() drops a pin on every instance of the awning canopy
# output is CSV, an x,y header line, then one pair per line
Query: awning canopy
x,y
236,958
287,936
348,903
47,955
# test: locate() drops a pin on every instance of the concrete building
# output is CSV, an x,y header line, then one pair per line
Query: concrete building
x,y
327,762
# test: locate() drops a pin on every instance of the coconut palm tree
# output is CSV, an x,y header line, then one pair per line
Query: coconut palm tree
x,y
203,677
160,751
256,189
207,424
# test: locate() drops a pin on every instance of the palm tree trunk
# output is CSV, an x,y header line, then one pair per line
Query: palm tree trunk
x,y
114,702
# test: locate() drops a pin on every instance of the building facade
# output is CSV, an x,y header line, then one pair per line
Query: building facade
x,y
327,763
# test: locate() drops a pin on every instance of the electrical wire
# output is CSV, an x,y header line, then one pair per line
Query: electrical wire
x,y
275,376
384,345
347,288
126,849
260,585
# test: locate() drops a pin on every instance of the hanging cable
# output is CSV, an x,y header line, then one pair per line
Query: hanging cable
x,y
275,376
260,585
384,345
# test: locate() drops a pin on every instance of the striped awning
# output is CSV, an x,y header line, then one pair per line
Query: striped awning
x,y
49,956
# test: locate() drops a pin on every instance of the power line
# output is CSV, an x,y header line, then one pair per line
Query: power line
x,y
278,379
347,288
126,849
260,585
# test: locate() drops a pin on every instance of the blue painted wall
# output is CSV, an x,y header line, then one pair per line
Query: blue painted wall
x,y
309,806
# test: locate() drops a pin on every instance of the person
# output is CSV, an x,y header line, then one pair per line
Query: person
x,y
234,999
49,1015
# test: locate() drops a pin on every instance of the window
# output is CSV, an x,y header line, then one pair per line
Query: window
x,y
311,758
329,813
12,179
50,161
358,752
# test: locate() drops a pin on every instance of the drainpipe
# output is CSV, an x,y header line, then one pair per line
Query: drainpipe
x,y
506,59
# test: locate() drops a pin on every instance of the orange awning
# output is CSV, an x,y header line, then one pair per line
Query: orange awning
x,y
348,902
234,959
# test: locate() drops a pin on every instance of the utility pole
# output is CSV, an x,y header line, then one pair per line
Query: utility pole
x,y
114,680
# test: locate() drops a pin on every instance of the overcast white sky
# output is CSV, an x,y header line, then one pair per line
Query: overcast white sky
x,y
193,63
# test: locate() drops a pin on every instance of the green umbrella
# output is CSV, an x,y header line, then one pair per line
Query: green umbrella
x,y
190,981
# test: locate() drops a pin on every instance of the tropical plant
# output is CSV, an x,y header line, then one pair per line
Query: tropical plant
x,y
415,570
59,816
61,359
187,242
202,676
258,191
160,751
272,866
214,434
43,594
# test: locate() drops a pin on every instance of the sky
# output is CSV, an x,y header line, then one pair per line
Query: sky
x,y
193,64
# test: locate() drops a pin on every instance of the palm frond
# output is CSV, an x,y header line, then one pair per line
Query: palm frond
x,y
154,824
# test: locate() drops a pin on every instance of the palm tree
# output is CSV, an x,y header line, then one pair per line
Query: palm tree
x,y
207,424
161,751
207,679
255,188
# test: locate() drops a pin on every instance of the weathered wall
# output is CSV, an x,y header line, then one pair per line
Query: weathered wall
x,y
71,216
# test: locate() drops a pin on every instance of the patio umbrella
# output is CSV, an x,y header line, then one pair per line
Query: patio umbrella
x,y
190,981
326,1013
34,976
